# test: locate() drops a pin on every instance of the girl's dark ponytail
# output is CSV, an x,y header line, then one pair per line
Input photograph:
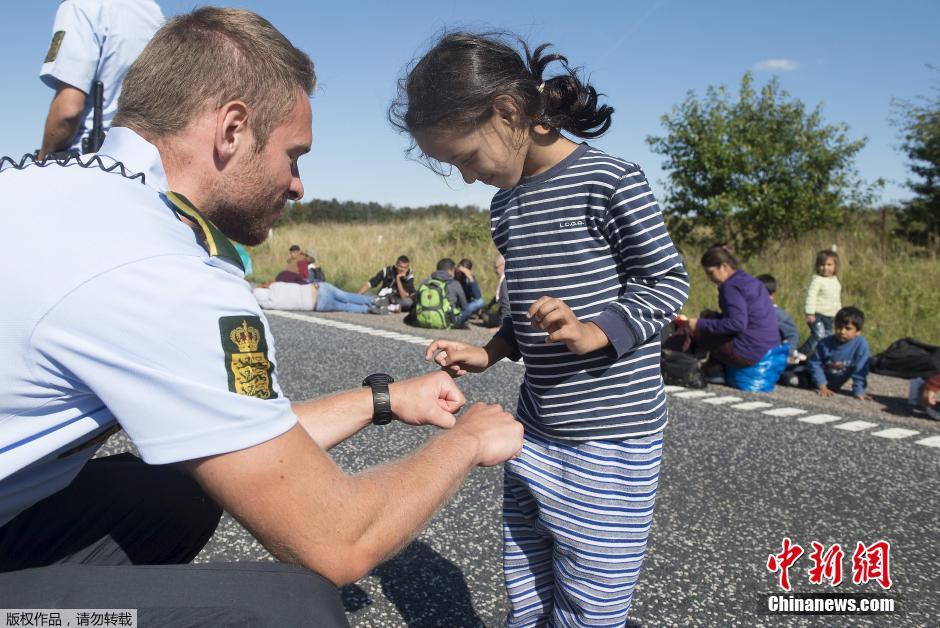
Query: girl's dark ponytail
x,y
567,103
456,84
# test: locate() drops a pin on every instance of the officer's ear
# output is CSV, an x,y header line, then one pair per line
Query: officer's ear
x,y
231,132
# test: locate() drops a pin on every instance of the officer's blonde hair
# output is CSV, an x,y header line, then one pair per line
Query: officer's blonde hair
x,y
207,58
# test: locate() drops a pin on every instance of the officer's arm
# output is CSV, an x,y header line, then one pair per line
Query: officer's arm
x,y
430,399
304,509
63,119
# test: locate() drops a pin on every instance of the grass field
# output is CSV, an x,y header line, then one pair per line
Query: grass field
x,y
897,286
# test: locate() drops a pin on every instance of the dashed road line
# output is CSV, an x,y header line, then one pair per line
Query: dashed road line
x,y
855,426
720,401
694,394
785,412
752,405
895,433
891,433
820,419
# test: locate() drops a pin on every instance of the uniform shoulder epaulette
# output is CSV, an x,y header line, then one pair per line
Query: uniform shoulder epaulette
x,y
93,161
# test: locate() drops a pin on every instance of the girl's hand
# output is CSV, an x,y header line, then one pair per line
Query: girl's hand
x,y
457,358
555,317
810,319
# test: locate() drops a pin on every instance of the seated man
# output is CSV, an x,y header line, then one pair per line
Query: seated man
x,y
397,283
302,267
439,300
313,297
471,289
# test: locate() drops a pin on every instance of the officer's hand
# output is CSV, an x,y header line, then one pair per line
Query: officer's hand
x,y
457,358
498,434
431,399
555,317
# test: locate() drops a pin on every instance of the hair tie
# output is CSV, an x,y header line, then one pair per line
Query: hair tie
x,y
541,87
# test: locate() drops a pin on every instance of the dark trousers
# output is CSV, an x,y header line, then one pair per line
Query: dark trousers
x,y
121,535
719,347
817,331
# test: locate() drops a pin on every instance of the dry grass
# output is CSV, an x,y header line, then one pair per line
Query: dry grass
x,y
898,290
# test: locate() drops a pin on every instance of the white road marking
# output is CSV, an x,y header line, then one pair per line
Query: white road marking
x,y
819,419
931,441
694,394
855,426
785,412
362,329
720,401
753,405
895,433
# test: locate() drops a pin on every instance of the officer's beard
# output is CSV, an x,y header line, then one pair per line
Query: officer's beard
x,y
246,206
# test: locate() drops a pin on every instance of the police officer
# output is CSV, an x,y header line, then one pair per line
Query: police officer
x,y
153,329
92,40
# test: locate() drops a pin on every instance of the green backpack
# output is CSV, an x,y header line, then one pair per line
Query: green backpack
x,y
432,307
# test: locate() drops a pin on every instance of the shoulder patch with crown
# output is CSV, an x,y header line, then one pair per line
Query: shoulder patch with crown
x,y
246,356
53,52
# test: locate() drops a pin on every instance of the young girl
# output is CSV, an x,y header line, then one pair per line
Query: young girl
x,y
592,276
823,299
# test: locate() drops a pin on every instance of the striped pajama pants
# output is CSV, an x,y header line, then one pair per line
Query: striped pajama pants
x,y
576,518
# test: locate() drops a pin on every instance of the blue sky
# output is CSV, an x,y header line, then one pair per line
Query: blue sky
x,y
852,57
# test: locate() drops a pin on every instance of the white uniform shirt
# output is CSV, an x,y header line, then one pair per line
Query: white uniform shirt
x,y
115,312
98,40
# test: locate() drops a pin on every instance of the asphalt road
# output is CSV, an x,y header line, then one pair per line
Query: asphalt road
x,y
735,482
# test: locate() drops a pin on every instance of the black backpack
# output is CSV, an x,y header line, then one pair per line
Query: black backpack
x,y
907,358
682,369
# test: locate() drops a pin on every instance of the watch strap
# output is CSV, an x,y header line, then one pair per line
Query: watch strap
x,y
381,399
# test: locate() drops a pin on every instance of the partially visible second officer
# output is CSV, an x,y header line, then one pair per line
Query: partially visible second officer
x,y
92,40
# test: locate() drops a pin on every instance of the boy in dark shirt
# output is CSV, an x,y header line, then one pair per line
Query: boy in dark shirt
x,y
842,356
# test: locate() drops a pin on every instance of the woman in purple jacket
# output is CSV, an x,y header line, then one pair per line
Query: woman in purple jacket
x,y
746,328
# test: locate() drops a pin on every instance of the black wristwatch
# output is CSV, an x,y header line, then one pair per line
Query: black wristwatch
x,y
381,400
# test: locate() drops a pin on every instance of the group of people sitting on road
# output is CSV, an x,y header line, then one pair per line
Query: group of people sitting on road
x,y
449,299
750,326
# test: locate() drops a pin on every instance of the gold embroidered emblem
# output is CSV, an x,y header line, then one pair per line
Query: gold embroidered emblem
x,y
246,357
54,46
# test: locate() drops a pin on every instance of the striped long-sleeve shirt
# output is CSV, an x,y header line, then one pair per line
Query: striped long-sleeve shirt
x,y
589,231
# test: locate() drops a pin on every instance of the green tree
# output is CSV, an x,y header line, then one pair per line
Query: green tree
x,y
919,123
755,169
